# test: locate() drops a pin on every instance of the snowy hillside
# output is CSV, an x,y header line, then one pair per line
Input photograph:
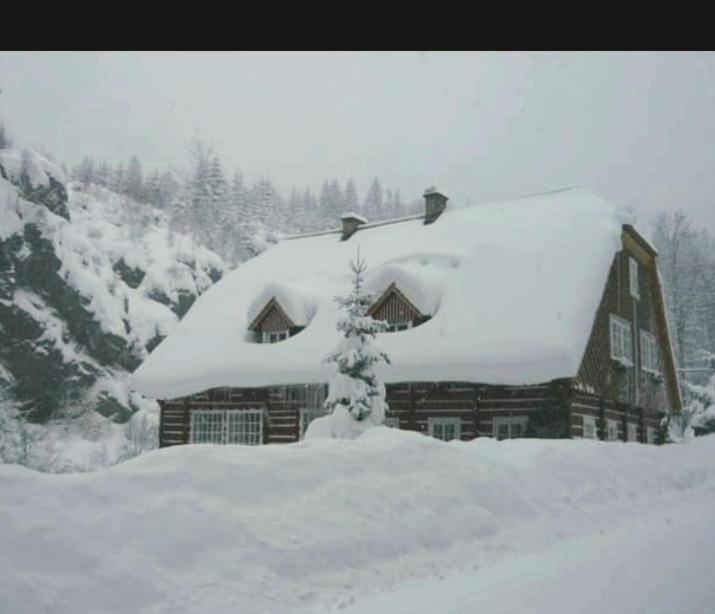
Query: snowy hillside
x,y
322,525
90,282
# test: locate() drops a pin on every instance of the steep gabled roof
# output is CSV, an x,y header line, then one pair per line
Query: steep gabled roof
x,y
512,287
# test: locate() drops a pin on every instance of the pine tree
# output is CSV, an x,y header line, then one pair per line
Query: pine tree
x,y
133,180
374,201
103,175
85,171
350,196
356,397
117,181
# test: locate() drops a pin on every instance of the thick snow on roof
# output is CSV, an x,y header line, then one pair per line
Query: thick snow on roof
x,y
513,288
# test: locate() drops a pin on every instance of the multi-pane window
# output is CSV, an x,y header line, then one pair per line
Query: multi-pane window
x,y
612,430
227,426
207,426
649,352
621,340
244,427
633,277
632,432
445,428
510,428
391,328
274,337
393,422
589,427
650,433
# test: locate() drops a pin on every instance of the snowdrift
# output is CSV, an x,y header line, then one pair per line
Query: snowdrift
x,y
292,527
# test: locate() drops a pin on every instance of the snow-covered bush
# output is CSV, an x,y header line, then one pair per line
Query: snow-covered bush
x,y
697,416
356,397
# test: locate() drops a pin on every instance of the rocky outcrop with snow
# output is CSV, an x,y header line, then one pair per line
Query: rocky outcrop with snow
x,y
90,282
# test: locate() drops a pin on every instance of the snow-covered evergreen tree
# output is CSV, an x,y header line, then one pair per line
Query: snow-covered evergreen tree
x,y
356,397
134,179
373,208
350,198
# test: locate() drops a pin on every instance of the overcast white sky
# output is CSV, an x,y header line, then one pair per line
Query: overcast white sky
x,y
636,128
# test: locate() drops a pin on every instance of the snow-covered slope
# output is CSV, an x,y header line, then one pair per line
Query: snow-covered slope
x,y
320,524
513,289
90,282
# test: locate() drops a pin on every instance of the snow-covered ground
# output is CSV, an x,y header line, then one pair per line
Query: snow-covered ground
x,y
391,522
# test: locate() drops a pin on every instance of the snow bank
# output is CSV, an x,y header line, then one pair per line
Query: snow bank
x,y
500,280
221,529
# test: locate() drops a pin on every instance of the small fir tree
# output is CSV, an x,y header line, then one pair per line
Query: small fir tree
x,y
356,397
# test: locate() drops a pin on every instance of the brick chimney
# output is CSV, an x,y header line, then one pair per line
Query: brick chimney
x,y
435,204
351,222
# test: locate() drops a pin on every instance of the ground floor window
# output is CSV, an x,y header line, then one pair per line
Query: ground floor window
x,y
589,427
510,428
239,426
612,430
650,434
445,428
632,432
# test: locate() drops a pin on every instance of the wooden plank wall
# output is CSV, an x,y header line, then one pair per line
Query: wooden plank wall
x,y
603,410
394,309
599,374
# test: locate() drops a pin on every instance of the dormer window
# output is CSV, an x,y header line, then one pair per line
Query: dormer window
x,y
269,337
272,324
392,328
397,310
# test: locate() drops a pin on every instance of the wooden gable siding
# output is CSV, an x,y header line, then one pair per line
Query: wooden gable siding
x,y
272,319
394,307
599,375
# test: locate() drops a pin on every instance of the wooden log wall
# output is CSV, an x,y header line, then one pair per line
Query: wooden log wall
x,y
553,410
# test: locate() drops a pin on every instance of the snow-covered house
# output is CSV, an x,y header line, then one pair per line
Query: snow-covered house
x,y
538,317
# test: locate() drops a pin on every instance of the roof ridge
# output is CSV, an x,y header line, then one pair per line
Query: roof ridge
x,y
419,216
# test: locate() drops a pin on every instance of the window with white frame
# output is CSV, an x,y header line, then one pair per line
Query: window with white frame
x,y
621,340
633,278
510,427
649,352
445,428
650,434
589,427
396,326
237,426
274,337
612,430
632,432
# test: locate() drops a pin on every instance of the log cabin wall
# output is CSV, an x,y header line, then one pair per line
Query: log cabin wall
x,y
545,407
551,410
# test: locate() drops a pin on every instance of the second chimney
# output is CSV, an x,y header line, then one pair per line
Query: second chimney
x,y
435,204
351,222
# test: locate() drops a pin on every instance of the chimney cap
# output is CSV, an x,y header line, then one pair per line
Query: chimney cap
x,y
351,215
430,190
